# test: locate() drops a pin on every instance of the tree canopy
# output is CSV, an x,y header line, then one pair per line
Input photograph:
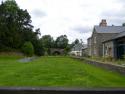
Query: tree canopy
x,y
15,26
16,29
61,41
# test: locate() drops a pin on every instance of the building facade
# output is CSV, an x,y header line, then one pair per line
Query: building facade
x,y
115,47
98,44
77,50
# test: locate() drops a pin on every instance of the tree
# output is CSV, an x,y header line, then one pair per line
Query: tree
x,y
28,49
38,47
76,41
8,26
15,26
61,41
47,42
67,49
123,24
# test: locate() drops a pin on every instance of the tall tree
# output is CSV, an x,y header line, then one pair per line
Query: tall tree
x,y
47,42
76,41
8,28
15,26
61,41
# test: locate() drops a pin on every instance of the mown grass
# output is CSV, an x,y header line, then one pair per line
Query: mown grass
x,y
56,72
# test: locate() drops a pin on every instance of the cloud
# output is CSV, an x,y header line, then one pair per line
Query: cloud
x,y
114,14
121,2
116,17
81,29
39,13
75,18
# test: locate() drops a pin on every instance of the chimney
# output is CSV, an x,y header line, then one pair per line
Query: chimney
x,y
103,23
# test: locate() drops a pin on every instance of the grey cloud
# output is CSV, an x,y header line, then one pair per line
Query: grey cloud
x,y
114,13
38,13
114,17
114,20
121,1
81,29
117,21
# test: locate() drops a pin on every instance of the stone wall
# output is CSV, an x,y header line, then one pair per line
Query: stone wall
x,y
96,42
44,90
112,67
108,49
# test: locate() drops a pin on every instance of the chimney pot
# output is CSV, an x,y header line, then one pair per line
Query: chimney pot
x,y
103,23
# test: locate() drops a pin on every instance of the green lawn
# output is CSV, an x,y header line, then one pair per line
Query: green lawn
x,y
56,71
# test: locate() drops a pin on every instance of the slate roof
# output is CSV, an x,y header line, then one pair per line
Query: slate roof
x,y
85,46
109,29
121,34
77,47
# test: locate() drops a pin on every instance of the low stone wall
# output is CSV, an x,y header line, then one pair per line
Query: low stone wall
x,y
112,67
31,90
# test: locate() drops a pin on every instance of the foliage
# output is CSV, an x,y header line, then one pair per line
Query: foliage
x,y
47,42
67,49
28,49
16,29
8,24
123,24
61,42
109,58
76,41
15,26
38,48
123,56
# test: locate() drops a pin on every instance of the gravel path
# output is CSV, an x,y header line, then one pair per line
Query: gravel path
x,y
27,59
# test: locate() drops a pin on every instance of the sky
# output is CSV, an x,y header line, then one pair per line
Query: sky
x,y
75,18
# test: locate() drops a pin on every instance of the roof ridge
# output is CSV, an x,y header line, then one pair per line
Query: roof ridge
x,y
109,29
107,26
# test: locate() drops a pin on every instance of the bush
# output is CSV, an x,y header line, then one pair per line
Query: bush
x,y
109,58
28,49
38,48
123,57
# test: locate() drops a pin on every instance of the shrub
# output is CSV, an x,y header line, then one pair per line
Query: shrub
x,y
28,49
109,58
123,57
38,48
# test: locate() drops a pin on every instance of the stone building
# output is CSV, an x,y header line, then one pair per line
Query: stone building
x,y
85,50
115,47
89,46
100,35
77,50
